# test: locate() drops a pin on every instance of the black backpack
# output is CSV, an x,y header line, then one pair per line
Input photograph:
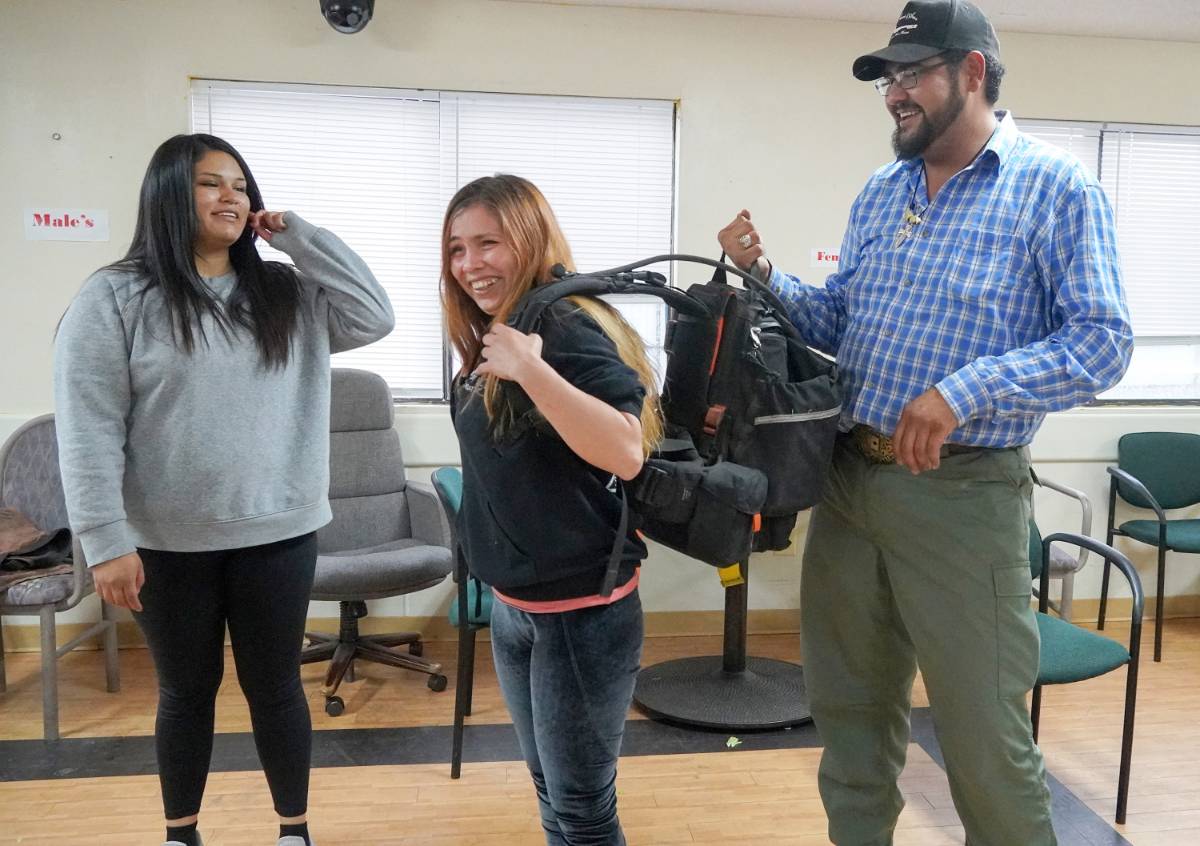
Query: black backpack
x,y
751,413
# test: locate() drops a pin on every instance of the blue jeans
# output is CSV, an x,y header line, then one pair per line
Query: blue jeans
x,y
568,680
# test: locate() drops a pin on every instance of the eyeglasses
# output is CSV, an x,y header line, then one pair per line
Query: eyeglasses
x,y
906,79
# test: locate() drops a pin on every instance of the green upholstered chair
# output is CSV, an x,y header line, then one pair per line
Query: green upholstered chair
x,y
1159,471
471,611
1071,654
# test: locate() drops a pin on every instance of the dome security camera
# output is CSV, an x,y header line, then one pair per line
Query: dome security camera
x,y
348,16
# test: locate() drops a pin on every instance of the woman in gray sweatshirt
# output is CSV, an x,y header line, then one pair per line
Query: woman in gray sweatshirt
x,y
192,406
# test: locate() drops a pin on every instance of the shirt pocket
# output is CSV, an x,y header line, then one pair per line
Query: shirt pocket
x,y
875,240
990,266
880,265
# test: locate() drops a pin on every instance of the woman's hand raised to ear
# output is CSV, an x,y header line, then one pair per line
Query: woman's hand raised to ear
x,y
266,223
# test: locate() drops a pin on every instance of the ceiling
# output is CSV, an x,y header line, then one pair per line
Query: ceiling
x,y
1167,20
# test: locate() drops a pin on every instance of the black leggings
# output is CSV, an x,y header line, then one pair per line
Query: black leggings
x,y
261,592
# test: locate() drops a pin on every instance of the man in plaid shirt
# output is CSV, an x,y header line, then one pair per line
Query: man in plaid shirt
x,y
978,288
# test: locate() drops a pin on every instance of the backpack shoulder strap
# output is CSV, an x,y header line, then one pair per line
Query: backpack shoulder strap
x,y
614,557
528,313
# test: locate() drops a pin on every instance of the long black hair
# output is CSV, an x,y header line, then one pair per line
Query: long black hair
x,y
266,299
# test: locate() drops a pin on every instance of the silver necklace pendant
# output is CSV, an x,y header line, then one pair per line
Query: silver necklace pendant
x,y
910,221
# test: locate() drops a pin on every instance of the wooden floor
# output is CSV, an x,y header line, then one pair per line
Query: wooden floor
x,y
714,798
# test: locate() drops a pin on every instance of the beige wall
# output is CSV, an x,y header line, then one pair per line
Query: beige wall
x,y
770,119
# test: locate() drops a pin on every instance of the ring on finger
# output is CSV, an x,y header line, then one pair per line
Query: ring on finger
x,y
745,240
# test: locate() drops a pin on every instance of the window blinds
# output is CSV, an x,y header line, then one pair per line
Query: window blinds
x,y
378,166
1152,178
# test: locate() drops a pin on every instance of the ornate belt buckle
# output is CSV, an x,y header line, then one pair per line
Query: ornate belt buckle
x,y
875,447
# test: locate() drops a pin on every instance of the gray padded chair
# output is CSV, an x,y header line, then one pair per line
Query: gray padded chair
x,y
31,483
388,536
1063,564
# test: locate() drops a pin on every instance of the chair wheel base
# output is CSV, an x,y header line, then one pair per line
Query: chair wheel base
x,y
334,706
416,648
698,692
436,683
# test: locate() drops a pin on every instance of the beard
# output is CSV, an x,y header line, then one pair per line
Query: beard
x,y
931,127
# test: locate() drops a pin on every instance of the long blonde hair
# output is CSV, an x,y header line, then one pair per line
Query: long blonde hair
x,y
528,224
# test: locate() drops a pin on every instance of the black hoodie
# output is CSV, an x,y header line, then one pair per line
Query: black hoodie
x,y
537,521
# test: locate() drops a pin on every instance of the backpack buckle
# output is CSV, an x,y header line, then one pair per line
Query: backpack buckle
x,y
647,484
712,419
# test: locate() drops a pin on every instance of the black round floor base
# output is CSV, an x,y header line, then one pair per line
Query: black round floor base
x,y
768,694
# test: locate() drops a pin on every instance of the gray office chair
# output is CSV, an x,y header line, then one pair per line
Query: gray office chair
x,y
388,536
30,482
1063,563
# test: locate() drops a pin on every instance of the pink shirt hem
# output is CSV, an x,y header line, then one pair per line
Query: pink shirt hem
x,y
557,606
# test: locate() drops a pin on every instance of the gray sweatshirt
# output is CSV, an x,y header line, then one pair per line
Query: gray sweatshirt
x,y
210,450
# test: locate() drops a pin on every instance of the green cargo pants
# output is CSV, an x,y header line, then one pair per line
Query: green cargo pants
x,y
929,570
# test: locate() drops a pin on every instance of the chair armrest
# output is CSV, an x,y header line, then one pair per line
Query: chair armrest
x,y
1110,555
425,511
1124,478
81,585
1085,505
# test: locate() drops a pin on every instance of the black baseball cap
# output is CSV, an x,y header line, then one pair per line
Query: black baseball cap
x,y
929,27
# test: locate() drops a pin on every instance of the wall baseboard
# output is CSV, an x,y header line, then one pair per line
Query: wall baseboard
x,y
1120,608
25,638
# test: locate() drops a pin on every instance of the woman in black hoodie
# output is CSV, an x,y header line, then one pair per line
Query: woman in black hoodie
x,y
549,424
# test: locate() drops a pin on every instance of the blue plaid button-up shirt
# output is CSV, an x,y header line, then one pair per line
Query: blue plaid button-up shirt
x,y
1006,295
